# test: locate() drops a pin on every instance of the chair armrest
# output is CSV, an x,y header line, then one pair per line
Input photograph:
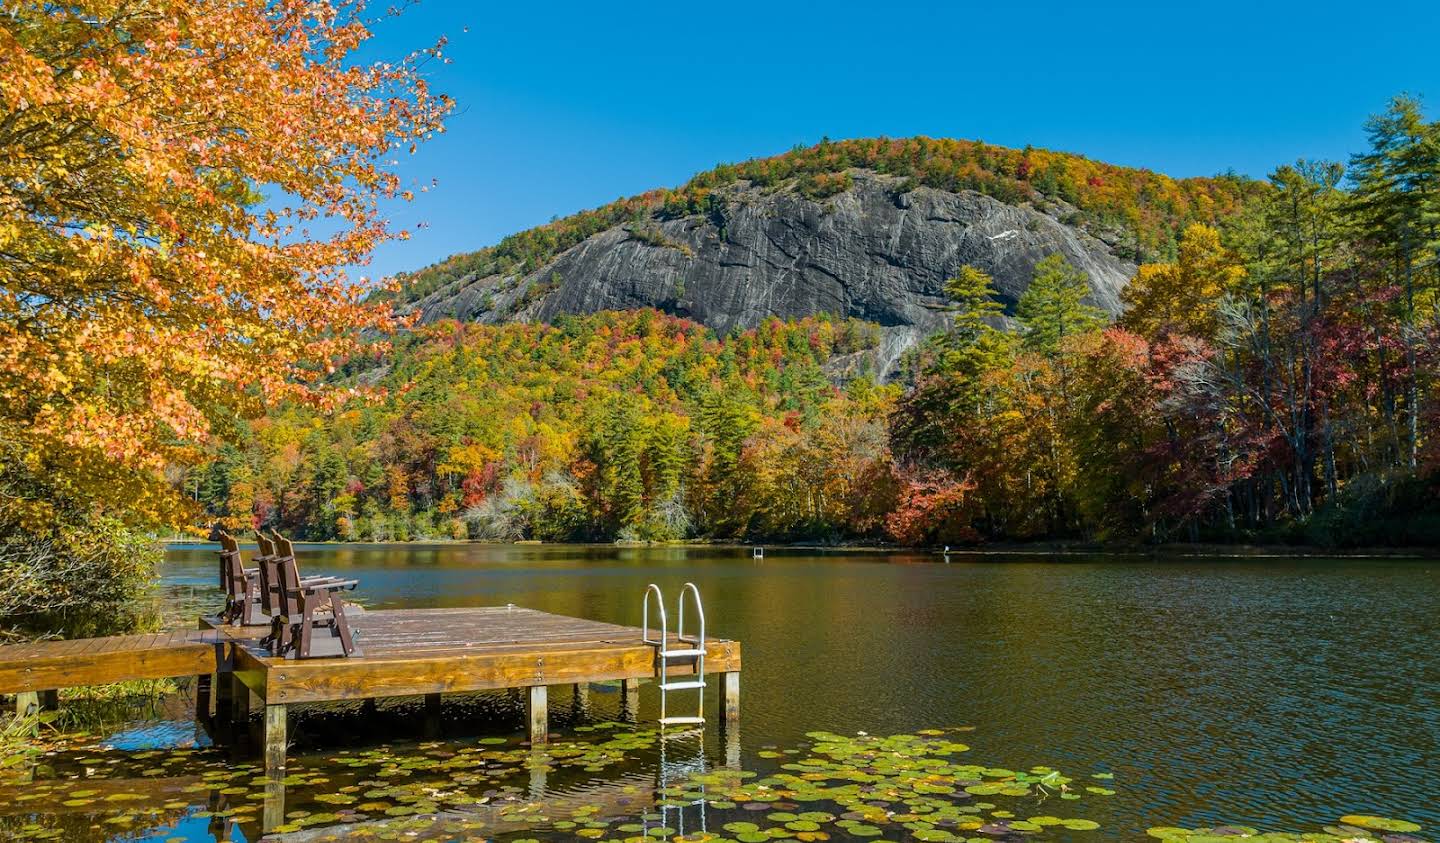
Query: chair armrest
x,y
335,585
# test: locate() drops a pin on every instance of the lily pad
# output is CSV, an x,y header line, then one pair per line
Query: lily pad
x,y
1379,823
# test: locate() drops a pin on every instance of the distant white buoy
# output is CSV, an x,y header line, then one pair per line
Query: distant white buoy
x,y
757,553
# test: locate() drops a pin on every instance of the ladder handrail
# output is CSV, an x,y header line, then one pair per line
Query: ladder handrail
x,y
645,616
699,610
690,648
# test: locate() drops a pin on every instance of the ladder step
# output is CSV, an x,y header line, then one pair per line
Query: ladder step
x,y
682,686
681,721
683,654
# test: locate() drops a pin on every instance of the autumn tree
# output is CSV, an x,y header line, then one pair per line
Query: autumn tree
x,y
182,183
1182,297
949,375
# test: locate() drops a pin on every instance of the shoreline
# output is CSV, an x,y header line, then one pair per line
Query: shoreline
x,y
1067,549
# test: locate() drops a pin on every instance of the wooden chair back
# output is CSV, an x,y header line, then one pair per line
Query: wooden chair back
x,y
224,568
269,579
230,563
287,575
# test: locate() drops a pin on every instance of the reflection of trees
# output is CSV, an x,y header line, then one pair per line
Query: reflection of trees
x,y
512,813
84,823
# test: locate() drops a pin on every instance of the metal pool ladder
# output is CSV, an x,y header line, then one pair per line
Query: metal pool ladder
x,y
689,648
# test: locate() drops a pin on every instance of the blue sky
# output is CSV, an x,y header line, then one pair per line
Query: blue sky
x,y
564,106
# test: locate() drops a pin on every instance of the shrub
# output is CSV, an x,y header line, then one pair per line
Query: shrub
x,y
1376,511
503,516
83,578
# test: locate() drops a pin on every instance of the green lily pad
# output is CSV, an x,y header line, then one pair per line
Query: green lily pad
x,y
1379,823
1080,825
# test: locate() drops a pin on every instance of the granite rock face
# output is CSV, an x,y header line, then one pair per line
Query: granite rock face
x,y
872,252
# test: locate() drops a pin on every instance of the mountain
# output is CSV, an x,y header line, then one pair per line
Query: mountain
x,y
868,229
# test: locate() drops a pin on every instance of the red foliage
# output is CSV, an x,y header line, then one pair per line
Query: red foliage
x,y
933,509
478,485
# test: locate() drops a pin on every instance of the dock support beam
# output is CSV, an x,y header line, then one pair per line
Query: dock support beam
x,y
26,703
275,737
225,695
239,701
537,714
582,697
629,699
202,696
432,716
730,697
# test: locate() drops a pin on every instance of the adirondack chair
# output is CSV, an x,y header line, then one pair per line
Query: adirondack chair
x,y
307,605
268,562
243,603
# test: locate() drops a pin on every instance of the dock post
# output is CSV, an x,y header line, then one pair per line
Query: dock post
x,y
275,738
629,699
26,702
49,700
432,716
274,809
730,737
730,696
538,714
539,764
582,698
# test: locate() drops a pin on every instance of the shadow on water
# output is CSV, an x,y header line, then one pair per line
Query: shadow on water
x,y
1275,693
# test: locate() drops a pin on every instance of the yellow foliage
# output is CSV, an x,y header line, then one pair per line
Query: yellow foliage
x,y
1181,297
146,298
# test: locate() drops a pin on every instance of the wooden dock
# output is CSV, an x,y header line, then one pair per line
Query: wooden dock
x,y
404,652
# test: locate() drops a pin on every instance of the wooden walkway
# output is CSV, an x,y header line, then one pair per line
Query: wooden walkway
x,y
403,652
28,670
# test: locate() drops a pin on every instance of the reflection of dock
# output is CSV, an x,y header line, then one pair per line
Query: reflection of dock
x,y
405,652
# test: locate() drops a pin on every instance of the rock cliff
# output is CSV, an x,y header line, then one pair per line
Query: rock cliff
x,y
879,250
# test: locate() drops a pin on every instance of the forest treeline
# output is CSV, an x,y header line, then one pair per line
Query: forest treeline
x,y
628,424
1274,381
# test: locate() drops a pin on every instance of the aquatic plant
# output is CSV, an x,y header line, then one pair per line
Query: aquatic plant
x,y
608,782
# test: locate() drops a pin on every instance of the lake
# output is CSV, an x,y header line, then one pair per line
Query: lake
x,y
1277,693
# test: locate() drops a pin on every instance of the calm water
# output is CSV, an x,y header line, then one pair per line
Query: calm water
x,y
1278,693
